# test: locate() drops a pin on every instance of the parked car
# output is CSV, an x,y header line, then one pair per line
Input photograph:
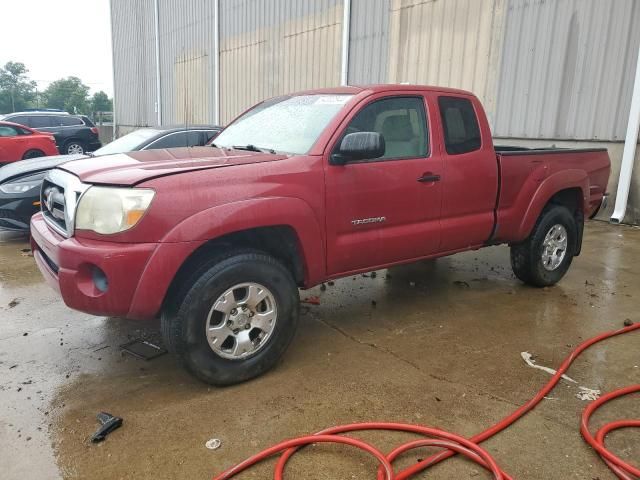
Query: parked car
x,y
353,179
18,142
20,182
74,134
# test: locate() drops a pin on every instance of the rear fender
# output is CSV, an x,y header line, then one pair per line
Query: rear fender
x,y
548,188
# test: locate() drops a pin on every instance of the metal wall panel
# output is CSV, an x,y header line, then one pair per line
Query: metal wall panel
x,y
187,55
452,43
272,47
134,63
369,41
567,69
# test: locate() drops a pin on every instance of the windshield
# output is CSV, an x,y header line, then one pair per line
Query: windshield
x,y
284,124
129,143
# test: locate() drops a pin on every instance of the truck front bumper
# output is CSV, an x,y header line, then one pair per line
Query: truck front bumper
x,y
96,277
108,278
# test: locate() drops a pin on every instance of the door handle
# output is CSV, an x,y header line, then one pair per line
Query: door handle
x,y
429,177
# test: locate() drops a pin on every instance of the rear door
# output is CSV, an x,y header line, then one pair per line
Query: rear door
x,y
469,172
378,210
44,123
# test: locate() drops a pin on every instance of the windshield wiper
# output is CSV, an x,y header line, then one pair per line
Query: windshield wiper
x,y
253,148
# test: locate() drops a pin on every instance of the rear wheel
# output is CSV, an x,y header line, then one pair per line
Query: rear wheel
x,y
74,147
35,153
234,318
544,258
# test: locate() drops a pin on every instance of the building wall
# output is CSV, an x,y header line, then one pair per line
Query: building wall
x,y
449,43
369,42
133,38
269,48
187,61
567,69
547,71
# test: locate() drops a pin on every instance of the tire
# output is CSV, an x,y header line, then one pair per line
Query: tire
x,y
185,320
33,154
74,147
531,261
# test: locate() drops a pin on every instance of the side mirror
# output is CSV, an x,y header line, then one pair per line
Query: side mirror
x,y
359,146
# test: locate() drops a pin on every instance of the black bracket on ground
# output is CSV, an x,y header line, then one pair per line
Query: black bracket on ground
x,y
108,423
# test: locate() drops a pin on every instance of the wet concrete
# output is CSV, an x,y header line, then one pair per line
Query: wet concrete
x,y
440,346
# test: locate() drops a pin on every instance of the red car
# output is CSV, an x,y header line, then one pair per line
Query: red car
x,y
18,142
217,240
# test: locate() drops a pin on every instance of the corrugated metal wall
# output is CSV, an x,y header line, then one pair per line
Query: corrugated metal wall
x,y
133,37
567,69
448,43
272,47
369,41
559,69
187,61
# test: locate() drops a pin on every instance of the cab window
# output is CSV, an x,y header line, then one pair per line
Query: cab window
x,y
7,131
69,121
401,121
178,139
21,119
40,121
461,129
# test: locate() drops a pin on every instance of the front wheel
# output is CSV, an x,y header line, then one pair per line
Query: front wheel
x,y
545,256
234,319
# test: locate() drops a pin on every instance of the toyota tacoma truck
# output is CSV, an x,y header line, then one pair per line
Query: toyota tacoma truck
x,y
298,190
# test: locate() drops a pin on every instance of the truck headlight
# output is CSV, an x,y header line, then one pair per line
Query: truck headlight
x,y
109,210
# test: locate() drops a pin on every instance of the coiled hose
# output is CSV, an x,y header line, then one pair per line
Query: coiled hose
x,y
455,444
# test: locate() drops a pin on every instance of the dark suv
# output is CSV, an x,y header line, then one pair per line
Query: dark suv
x,y
74,134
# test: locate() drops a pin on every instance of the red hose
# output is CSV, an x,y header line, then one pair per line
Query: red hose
x,y
455,444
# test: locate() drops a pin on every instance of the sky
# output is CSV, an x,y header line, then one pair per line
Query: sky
x,y
59,38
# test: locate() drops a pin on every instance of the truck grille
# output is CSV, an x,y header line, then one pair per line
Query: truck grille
x,y
59,197
53,204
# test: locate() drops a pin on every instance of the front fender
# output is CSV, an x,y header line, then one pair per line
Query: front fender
x,y
212,223
233,217
553,184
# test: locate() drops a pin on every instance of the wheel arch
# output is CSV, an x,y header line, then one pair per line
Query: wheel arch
x,y
279,241
566,188
285,228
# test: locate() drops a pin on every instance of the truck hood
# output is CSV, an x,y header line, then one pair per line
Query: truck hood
x,y
135,167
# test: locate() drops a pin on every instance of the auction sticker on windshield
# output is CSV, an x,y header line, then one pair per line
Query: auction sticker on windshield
x,y
332,100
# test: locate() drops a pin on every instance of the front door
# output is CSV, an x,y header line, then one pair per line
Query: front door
x,y
387,209
10,144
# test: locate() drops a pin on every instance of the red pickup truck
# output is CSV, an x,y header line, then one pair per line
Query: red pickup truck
x,y
299,190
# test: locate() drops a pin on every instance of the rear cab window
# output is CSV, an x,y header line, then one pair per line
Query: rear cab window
x,y
460,125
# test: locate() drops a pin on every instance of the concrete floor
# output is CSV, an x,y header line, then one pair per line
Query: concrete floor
x,y
440,347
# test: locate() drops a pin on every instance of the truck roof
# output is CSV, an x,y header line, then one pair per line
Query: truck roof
x,y
381,87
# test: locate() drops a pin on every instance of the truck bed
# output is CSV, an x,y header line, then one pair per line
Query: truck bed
x,y
525,173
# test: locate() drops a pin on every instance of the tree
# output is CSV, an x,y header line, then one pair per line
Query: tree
x,y
68,94
100,102
17,92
